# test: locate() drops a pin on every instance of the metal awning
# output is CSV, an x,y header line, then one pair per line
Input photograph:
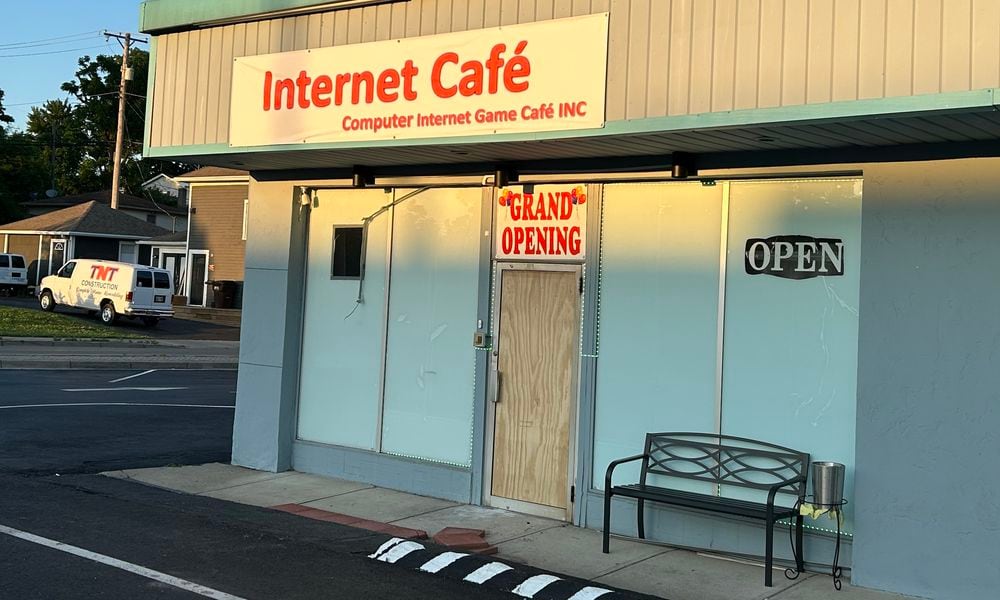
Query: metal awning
x,y
937,125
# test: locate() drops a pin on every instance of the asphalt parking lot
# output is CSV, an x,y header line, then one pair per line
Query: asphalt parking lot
x,y
88,421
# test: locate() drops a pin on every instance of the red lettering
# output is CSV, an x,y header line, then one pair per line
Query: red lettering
x,y
268,76
343,79
562,239
288,86
519,67
565,206
518,239
366,78
506,240
302,82
574,240
388,81
321,91
472,83
493,64
440,90
409,72
515,207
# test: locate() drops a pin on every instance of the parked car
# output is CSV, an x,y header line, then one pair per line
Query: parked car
x,y
13,274
110,289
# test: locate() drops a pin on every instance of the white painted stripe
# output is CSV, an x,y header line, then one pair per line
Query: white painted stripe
x,y
399,551
441,561
589,593
116,404
120,564
532,585
125,389
487,572
385,547
133,376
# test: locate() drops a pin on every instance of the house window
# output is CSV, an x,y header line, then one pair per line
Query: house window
x,y
246,211
127,252
151,219
348,252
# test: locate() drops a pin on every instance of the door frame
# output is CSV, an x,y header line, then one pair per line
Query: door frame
x,y
66,257
204,287
492,389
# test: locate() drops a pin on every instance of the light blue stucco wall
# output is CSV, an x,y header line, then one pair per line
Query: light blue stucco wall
x,y
928,430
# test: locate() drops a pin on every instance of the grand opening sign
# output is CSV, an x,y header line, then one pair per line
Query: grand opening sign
x,y
543,76
542,222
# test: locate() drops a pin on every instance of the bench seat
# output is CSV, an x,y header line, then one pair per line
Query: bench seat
x,y
732,506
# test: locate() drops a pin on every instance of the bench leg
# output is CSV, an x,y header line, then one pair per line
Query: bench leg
x,y
768,552
607,520
640,518
800,563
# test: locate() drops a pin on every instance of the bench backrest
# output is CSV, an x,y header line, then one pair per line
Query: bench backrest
x,y
724,460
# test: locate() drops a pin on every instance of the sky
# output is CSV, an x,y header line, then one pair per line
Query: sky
x,y
29,28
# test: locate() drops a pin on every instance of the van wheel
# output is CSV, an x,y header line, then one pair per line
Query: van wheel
x,y
46,301
108,314
150,321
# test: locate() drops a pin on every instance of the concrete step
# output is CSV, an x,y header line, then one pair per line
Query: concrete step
x,y
222,316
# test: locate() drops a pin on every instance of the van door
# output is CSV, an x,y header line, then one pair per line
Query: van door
x,y
143,292
61,292
162,289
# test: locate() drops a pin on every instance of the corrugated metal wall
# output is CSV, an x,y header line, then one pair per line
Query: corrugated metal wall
x,y
666,57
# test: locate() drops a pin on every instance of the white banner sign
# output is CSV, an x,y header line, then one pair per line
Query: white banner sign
x,y
542,222
543,76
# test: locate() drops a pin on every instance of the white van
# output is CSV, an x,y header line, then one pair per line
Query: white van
x,y
13,274
111,289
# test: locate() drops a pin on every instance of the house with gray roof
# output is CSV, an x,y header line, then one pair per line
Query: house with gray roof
x,y
172,217
87,230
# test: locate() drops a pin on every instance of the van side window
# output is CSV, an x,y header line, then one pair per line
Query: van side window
x,y
162,280
17,261
4,262
143,279
67,269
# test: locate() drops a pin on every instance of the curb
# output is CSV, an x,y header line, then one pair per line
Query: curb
x,y
59,341
191,363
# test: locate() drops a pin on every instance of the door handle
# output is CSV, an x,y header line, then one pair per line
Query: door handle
x,y
496,379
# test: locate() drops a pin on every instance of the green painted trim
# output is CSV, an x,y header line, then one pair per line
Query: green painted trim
x,y
157,15
805,114
150,88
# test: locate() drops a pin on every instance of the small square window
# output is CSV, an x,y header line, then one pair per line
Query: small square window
x,y
348,252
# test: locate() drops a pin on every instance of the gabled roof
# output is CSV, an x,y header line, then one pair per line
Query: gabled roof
x,y
89,218
126,201
214,174
178,237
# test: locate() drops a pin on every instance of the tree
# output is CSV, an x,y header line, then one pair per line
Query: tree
x,y
4,117
60,134
96,87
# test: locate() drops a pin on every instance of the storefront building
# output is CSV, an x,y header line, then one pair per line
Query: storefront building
x,y
492,244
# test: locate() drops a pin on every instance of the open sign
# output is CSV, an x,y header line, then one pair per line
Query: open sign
x,y
795,256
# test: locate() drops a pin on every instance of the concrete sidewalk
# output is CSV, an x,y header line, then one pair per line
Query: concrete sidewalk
x,y
550,545
45,353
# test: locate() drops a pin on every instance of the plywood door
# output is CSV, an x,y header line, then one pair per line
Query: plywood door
x,y
539,329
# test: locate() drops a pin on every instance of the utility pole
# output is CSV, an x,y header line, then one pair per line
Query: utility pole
x,y
126,42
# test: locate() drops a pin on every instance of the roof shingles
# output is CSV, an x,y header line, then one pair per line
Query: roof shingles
x,y
88,218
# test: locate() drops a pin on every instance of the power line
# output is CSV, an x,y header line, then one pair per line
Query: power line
x,y
31,43
53,51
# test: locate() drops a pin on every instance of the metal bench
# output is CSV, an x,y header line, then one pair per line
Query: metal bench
x,y
719,460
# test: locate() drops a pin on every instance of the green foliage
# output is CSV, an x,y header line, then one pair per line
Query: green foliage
x,y
4,117
70,147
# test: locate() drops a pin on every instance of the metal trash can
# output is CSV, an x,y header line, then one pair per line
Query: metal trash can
x,y
223,294
828,483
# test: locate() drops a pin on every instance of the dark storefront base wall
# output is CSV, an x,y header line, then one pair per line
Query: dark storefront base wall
x,y
712,532
439,481
928,432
